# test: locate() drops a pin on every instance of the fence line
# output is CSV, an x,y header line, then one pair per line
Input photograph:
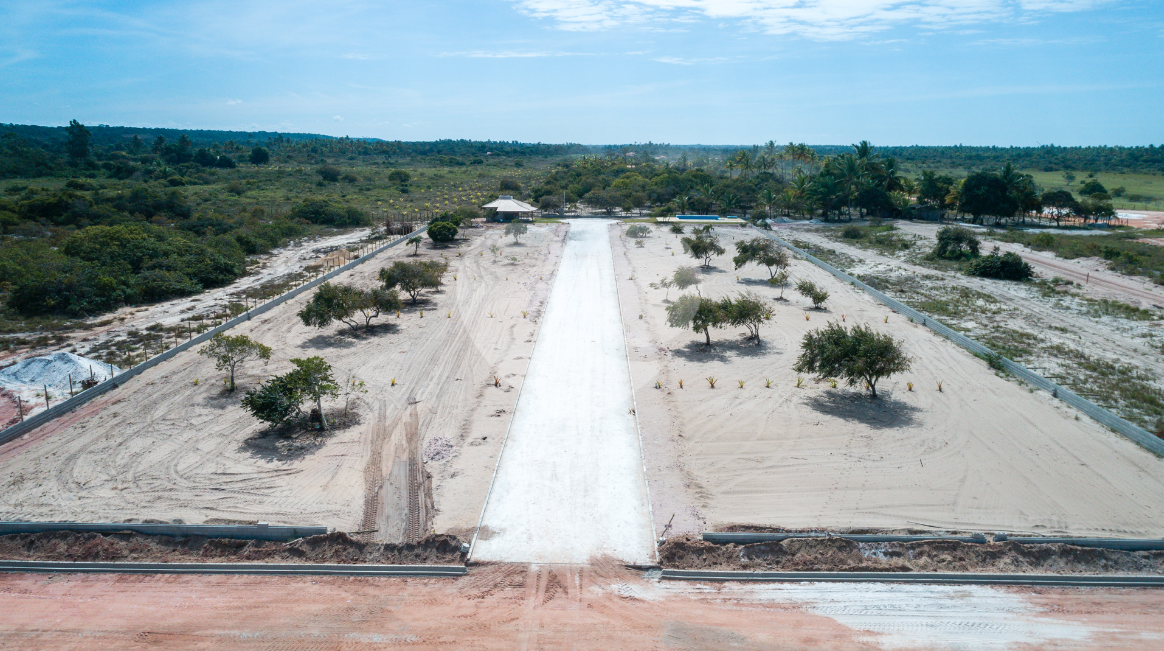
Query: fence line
x,y
1137,434
72,403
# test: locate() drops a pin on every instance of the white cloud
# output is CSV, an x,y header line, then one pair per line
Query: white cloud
x,y
337,118
817,19
232,102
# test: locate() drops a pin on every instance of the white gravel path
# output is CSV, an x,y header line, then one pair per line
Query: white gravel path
x,y
570,482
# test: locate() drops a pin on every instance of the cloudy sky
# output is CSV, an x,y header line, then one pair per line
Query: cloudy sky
x,y
983,72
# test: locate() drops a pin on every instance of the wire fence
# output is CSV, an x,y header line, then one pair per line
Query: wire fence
x,y
1137,434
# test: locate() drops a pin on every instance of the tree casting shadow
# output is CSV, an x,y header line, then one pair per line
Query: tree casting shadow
x,y
723,349
881,412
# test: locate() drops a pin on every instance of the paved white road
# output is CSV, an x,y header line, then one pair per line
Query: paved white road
x,y
570,483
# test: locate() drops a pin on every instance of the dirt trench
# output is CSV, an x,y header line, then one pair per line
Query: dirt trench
x,y
842,555
335,547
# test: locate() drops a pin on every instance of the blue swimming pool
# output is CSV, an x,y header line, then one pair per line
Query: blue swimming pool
x,y
696,216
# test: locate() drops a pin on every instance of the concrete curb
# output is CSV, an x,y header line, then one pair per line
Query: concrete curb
x,y
304,569
65,407
1136,434
927,578
260,531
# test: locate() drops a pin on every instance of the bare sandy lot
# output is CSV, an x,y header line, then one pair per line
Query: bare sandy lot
x,y
559,607
983,454
1058,328
166,448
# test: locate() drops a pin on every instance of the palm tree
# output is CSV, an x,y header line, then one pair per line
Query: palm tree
x,y
768,199
729,202
744,161
682,204
864,150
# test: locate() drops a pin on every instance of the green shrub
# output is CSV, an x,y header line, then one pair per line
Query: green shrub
x,y
852,233
324,211
442,232
1008,266
955,243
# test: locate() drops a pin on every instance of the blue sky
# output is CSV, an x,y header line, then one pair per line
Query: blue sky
x,y
981,72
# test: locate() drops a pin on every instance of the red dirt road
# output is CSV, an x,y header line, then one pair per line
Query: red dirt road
x,y
556,607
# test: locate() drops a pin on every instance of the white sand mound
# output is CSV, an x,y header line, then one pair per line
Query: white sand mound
x,y
53,370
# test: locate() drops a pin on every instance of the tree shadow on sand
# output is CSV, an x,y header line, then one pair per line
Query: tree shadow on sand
x,y
345,337
881,412
296,439
724,349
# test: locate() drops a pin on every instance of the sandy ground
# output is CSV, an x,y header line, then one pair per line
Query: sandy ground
x,y
1142,218
164,447
559,607
1052,321
980,455
570,484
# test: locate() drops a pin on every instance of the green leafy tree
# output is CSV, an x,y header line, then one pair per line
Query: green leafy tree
x,y
1091,187
955,243
136,145
348,305
748,310
274,401
78,143
638,231
697,313
442,232
677,229
857,355
985,193
1059,204
809,290
328,173
399,177
231,352
516,229
780,281
259,156
761,251
313,379
281,397
703,245
415,241
683,278
414,277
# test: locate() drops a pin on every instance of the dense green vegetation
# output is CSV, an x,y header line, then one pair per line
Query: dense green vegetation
x,y
94,218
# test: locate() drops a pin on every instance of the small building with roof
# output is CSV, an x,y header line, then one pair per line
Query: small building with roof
x,y
507,208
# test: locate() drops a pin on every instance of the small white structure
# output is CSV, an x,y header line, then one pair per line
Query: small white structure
x,y
508,208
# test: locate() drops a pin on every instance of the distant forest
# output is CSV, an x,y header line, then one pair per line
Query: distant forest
x,y
1047,158
28,151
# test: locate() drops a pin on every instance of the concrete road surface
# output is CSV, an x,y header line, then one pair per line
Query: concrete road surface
x,y
570,482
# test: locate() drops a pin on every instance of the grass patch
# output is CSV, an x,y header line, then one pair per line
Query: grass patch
x,y
831,256
1122,388
1120,248
884,239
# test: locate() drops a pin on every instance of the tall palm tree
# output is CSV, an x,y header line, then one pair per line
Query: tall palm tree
x,y
729,202
768,199
864,150
682,204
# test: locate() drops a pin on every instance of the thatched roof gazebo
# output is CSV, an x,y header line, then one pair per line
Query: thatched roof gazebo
x,y
508,208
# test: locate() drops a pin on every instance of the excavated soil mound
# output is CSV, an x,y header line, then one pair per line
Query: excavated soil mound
x,y
337,547
840,555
